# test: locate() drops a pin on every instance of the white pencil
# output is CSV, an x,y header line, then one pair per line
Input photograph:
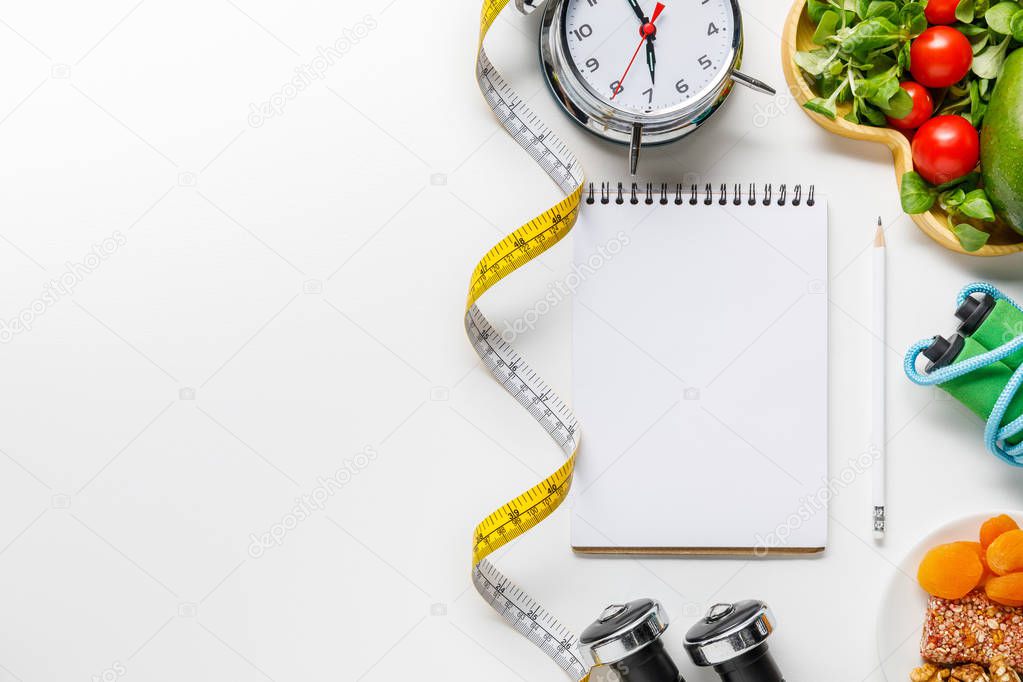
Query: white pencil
x,y
879,438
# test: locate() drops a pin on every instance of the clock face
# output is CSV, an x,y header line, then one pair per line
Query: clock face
x,y
691,46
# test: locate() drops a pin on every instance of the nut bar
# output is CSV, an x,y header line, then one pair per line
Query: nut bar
x,y
973,629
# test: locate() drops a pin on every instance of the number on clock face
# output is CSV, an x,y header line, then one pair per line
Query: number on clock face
x,y
692,45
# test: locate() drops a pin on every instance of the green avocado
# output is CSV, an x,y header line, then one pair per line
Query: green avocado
x,y
1001,143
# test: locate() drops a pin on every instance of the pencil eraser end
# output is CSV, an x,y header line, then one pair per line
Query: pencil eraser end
x,y
879,535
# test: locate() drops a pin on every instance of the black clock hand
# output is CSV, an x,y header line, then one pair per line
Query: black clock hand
x,y
638,10
651,57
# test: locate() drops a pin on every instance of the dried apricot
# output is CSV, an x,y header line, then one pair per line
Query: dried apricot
x,y
1006,590
992,528
975,546
951,571
1005,555
988,573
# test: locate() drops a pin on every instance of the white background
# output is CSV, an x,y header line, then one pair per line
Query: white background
x,y
291,294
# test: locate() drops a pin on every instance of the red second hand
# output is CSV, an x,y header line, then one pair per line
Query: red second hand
x,y
647,30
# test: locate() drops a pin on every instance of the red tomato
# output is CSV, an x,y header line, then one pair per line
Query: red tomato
x,y
941,11
940,56
923,107
945,148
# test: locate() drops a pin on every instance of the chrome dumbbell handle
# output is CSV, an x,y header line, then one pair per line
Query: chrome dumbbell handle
x,y
732,638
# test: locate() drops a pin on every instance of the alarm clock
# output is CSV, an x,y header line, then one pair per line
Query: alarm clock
x,y
639,72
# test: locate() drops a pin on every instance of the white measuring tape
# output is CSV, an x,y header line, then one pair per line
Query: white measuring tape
x,y
527,510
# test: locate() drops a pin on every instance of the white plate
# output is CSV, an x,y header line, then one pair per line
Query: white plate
x,y
901,620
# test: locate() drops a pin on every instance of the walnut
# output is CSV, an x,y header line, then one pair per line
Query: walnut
x,y
970,673
1001,672
929,673
924,673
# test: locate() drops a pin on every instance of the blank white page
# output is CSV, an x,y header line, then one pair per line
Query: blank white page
x,y
700,339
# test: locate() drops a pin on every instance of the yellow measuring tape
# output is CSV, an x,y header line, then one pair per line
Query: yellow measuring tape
x,y
527,510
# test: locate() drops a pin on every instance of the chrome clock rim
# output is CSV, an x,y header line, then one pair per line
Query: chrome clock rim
x,y
586,107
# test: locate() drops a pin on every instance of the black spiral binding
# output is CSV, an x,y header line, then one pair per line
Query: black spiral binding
x,y
664,194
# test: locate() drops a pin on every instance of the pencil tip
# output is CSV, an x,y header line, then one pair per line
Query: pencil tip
x,y
879,237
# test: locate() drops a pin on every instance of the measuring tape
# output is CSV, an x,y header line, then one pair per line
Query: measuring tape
x,y
527,510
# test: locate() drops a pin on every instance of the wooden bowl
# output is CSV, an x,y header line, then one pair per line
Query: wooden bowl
x,y
798,35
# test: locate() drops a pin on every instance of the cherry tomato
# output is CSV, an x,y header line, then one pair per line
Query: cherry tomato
x,y
940,56
923,107
945,148
941,11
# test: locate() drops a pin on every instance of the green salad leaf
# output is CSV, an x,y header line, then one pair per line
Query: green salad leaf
x,y
978,107
814,62
971,238
883,8
980,42
953,198
970,30
826,28
916,194
912,18
1016,26
904,59
899,105
976,205
815,9
999,17
988,64
869,35
828,107
965,11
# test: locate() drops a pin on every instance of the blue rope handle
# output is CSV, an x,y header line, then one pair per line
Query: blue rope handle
x,y
995,435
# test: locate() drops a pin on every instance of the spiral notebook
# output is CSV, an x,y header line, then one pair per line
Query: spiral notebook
x,y
700,346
